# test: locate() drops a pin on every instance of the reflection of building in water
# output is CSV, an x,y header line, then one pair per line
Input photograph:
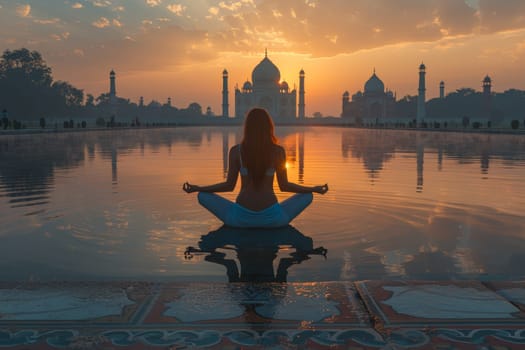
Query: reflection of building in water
x,y
294,147
420,154
225,152
373,105
267,91
114,156
484,161
373,147
300,135
440,157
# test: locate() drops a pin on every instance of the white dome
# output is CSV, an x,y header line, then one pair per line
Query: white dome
x,y
247,86
374,84
266,72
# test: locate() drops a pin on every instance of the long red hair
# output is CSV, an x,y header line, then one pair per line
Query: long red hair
x,y
258,144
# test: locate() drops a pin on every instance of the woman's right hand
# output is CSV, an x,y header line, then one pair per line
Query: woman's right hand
x,y
189,188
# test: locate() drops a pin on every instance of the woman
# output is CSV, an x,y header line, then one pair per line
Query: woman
x,y
257,158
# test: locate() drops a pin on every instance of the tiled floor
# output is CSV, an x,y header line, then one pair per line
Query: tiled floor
x,y
332,315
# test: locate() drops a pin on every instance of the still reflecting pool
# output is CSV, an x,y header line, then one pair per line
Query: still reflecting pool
x,y
402,204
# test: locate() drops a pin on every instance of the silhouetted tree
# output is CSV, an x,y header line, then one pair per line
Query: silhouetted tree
x,y
103,99
27,88
24,65
90,100
72,96
515,124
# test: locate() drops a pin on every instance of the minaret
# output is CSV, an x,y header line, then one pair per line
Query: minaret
x,y
487,96
420,160
112,94
301,94
421,96
442,89
169,102
225,112
141,101
112,86
346,101
487,86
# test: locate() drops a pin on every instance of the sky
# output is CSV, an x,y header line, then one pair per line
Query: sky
x,y
179,48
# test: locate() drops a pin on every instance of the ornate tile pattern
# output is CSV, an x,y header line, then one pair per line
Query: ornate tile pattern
x,y
335,315
512,291
460,303
272,305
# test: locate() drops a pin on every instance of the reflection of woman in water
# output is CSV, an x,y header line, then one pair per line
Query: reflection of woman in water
x,y
257,158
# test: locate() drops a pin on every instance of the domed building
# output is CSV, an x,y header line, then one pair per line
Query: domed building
x,y
267,91
371,106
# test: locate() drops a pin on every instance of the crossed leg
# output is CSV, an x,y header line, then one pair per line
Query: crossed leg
x,y
221,207
294,205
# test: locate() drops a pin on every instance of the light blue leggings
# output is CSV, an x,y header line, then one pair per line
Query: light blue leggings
x,y
235,215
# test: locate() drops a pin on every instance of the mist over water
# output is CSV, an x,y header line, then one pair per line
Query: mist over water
x,y
402,204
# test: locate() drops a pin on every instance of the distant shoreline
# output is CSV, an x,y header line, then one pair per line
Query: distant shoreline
x,y
34,131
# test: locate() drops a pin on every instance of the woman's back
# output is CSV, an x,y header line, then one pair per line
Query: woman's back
x,y
257,195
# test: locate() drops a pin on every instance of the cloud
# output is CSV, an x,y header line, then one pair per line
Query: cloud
x,y
47,21
153,3
23,10
332,27
102,22
60,37
77,5
101,3
78,52
176,9
116,23
233,6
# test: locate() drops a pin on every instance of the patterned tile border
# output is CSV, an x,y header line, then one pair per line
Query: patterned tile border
x,y
445,303
78,299
276,305
512,291
351,338
331,315
71,339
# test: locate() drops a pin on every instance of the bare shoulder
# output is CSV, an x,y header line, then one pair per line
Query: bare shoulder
x,y
234,150
278,149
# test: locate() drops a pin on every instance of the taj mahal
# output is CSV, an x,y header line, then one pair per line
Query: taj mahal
x,y
267,91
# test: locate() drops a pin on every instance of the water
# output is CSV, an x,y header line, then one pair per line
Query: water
x,y
108,205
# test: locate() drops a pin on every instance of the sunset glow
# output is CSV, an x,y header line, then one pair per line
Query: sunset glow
x,y
178,48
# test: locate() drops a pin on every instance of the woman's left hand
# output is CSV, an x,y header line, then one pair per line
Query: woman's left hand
x,y
321,189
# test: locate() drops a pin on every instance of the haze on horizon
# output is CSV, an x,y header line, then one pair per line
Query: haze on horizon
x,y
178,48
